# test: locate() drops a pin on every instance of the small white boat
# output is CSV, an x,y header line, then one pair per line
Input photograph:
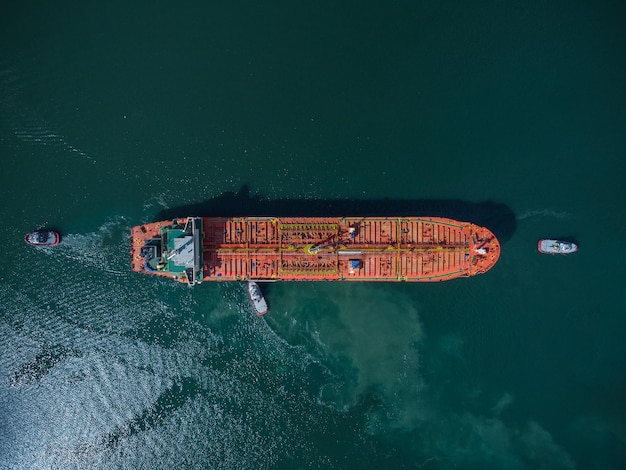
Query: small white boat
x,y
257,299
42,238
556,247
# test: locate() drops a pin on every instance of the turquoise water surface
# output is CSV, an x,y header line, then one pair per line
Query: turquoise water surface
x,y
507,114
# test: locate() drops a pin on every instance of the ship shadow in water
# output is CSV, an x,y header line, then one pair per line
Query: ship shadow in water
x,y
497,217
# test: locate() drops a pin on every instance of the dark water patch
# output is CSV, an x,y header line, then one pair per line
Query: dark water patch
x,y
337,440
35,369
496,216
167,403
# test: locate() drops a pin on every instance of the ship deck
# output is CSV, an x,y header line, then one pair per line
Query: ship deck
x,y
346,249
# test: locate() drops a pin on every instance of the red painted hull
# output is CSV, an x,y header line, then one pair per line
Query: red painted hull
x,y
43,238
412,249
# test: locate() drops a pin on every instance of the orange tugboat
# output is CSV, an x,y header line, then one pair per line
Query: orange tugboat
x,y
412,249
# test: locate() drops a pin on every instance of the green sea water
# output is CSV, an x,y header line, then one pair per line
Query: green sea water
x,y
510,114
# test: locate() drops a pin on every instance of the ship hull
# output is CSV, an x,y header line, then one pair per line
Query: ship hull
x,y
549,246
358,249
256,298
42,238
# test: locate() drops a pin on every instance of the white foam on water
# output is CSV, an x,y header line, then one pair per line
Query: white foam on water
x,y
106,249
159,201
537,213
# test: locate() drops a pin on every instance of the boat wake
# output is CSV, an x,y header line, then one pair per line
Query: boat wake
x,y
103,250
128,375
537,213
345,330
27,124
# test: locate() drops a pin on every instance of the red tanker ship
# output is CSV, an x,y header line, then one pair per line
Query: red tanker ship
x,y
412,249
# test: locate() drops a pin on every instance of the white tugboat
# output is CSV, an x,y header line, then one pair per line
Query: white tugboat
x,y
257,299
556,247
